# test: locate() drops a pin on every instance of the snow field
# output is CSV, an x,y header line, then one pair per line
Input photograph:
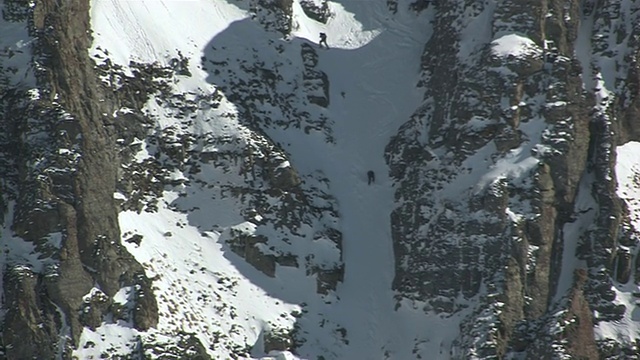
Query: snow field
x,y
372,65
379,95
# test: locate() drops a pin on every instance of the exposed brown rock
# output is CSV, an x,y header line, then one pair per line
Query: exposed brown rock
x,y
580,335
464,111
27,324
77,199
70,282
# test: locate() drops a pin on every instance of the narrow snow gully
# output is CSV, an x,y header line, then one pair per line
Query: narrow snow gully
x,y
373,66
373,92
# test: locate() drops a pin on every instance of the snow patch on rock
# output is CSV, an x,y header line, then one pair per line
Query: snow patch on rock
x,y
514,45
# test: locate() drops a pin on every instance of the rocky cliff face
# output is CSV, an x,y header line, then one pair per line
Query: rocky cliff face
x,y
71,139
61,177
538,120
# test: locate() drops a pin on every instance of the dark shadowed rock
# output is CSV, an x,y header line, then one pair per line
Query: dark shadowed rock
x,y
274,14
73,192
277,339
246,246
286,178
25,323
187,346
483,101
316,12
316,82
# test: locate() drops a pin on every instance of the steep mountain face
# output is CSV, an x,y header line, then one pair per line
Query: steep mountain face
x,y
505,173
61,178
187,179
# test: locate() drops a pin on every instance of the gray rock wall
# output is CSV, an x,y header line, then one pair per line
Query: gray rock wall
x,y
64,151
453,240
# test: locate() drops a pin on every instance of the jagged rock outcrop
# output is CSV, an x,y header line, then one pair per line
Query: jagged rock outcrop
x,y
255,85
575,339
187,345
316,82
273,14
482,102
30,310
316,9
64,188
214,144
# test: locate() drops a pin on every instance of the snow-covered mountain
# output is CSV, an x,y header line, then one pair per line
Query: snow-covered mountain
x,y
189,179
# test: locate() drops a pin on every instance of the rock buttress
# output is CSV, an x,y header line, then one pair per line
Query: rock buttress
x,y
66,179
465,233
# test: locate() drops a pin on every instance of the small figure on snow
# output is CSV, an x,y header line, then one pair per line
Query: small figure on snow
x,y
371,177
323,40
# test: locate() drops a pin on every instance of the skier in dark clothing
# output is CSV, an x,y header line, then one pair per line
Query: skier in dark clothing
x,y
371,176
323,40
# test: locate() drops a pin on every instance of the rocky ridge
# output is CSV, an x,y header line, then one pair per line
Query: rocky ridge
x,y
540,109
63,192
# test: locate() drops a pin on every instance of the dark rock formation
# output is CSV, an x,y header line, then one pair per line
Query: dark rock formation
x,y
187,346
316,10
568,331
479,99
246,247
316,82
30,309
277,339
64,131
468,238
274,14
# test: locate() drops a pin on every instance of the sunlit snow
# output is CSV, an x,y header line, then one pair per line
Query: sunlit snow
x,y
373,63
514,45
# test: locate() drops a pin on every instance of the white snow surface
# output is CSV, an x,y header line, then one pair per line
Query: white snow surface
x,y
628,178
514,45
585,210
374,63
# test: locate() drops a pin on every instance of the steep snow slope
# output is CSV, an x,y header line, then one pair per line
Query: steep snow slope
x,y
373,92
199,289
371,70
15,52
628,179
372,66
